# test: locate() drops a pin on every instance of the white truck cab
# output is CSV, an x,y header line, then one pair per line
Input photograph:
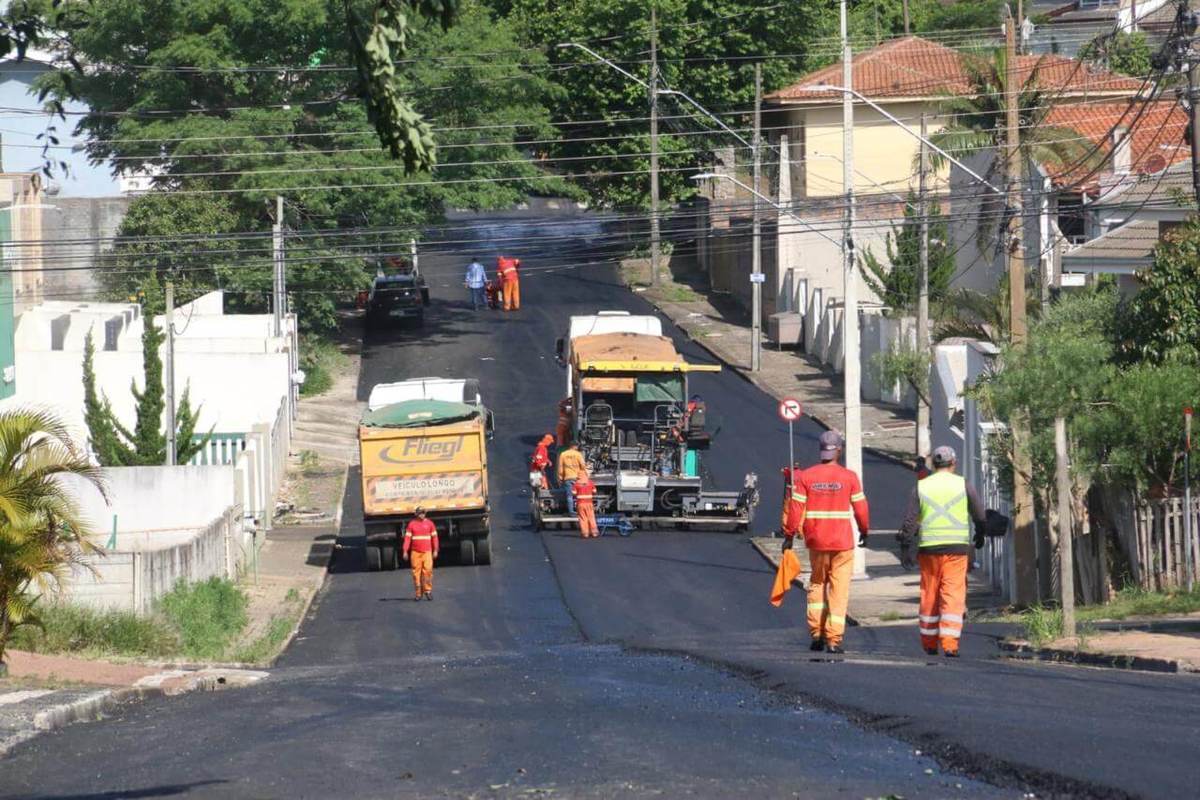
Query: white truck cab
x,y
600,323
454,390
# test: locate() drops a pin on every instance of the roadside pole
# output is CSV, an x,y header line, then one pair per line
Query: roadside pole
x,y
1189,526
415,256
277,261
756,276
1066,548
653,89
1024,544
790,410
923,343
169,388
851,367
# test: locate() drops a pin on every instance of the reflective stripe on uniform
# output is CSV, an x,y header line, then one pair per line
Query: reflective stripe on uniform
x,y
854,498
816,605
830,514
952,618
953,633
929,631
424,538
799,498
926,618
836,620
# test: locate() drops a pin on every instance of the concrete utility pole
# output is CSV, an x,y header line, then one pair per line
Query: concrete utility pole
x,y
1066,544
169,381
1194,111
653,89
756,276
1024,545
852,369
277,260
923,344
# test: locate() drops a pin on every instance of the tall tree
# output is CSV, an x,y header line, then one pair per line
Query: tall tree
x,y
41,529
1163,318
112,442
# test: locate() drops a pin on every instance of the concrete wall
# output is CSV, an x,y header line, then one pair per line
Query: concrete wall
x,y
171,524
77,231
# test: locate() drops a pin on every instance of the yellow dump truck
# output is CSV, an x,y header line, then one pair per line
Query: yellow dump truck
x,y
432,454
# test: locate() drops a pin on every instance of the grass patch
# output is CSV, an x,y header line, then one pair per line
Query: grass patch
x,y
1042,624
266,647
87,632
678,293
208,615
890,616
1134,602
321,360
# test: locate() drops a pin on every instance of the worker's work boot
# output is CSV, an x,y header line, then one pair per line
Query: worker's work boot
x,y
931,651
429,596
417,599
836,649
817,645
950,654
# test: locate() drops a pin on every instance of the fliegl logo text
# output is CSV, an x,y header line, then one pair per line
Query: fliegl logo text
x,y
423,450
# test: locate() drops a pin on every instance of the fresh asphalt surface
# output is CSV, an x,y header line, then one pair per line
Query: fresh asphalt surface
x,y
651,665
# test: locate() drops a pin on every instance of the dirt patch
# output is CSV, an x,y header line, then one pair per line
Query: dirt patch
x,y
310,493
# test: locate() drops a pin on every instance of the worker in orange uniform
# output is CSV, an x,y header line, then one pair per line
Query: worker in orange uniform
x,y
540,460
571,467
511,280
562,430
939,517
585,506
825,498
421,549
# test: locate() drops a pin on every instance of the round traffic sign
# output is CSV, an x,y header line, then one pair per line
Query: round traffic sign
x,y
790,409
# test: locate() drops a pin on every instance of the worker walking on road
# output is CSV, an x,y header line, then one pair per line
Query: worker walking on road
x,y
421,549
540,461
563,429
825,498
475,281
571,467
507,268
585,506
940,513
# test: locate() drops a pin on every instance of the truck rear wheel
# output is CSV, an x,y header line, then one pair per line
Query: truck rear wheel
x,y
373,558
466,552
387,556
483,551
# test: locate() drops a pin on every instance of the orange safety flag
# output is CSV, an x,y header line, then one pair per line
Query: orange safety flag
x,y
789,569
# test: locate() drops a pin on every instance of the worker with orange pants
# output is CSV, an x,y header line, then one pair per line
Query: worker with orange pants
x,y
421,549
507,268
540,460
825,499
562,430
585,506
939,517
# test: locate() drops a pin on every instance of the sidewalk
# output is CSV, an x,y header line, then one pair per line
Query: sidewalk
x,y
1164,644
722,326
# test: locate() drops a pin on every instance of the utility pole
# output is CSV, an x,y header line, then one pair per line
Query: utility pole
x,y
277,260
169,388
852,369
756,277
1024,545
1194,112
1189,524
653,89
1066,557
923,298
906,30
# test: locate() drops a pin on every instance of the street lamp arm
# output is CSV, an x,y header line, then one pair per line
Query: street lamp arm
x,y
605,61
704,176
887,115
708,114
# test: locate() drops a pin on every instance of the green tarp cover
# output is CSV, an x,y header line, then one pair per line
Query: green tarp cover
x,y
659,389
415,413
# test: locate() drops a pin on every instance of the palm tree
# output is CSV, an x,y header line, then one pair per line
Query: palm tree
x,y
969,314
41,530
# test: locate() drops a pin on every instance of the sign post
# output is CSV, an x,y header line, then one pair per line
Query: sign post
x,y
790,410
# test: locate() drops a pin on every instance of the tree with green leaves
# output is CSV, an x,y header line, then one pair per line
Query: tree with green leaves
x,y
42,532
1163,318
1126,52
113,443
226,118
896,282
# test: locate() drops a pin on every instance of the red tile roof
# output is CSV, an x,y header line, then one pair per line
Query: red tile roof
x,y
916,67
1156,141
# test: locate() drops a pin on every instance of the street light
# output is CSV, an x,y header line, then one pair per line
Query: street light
x,y
707,176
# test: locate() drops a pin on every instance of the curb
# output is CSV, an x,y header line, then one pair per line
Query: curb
x,y
749,377
1025,651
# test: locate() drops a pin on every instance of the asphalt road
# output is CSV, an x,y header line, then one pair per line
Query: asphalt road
x,y
650,665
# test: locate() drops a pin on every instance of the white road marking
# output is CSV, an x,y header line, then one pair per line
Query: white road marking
x,y
12,698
